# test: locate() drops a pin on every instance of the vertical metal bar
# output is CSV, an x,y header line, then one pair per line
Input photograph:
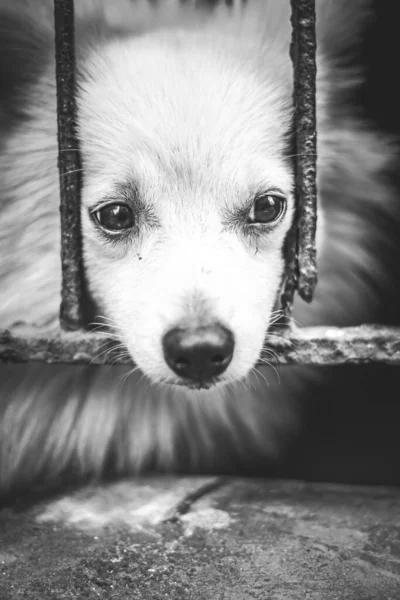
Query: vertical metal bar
x,y
291,272
303,51
71,312
301,271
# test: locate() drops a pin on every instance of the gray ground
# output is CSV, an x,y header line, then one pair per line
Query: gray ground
x,y
205,539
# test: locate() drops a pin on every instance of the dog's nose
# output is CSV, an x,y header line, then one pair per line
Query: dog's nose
x,y
199,354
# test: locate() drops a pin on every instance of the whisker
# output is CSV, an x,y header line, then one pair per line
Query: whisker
x,y
130,372
258,372
70,172
278,336
271,366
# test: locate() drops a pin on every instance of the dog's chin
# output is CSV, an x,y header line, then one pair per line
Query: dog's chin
x,y
195,386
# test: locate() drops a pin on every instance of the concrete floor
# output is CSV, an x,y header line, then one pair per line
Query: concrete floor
x,y
205,539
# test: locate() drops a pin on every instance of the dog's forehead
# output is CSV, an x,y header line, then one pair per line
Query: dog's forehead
x,y
176,109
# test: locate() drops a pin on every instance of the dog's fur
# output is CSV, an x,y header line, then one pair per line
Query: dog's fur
x,y
190,112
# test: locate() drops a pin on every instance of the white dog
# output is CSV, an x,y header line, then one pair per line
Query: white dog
x,y
185,117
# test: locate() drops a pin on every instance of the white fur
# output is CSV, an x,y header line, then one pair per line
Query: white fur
x,y
194,110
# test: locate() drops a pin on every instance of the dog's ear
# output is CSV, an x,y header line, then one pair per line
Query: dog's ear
x,y
26,43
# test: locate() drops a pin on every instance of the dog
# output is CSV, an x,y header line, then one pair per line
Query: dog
x,y
185,122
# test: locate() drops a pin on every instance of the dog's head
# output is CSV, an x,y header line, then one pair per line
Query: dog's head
x,y
187,199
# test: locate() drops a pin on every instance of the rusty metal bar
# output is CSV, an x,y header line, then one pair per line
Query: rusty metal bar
x,y
71,310
308,346
291,274
301,250
304,62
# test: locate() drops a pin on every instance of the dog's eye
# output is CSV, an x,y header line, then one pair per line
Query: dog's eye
x,y
266,209
115,217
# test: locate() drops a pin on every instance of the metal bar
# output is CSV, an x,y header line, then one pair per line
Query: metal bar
x,y
303,273
291,273
308,346
71,311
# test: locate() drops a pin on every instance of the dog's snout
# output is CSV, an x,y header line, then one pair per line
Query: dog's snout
x,y
199,354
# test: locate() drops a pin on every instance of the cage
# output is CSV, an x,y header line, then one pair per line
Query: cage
x,y
72,342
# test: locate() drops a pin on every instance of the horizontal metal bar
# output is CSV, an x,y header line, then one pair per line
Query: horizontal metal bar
x,y
308,346
71,310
